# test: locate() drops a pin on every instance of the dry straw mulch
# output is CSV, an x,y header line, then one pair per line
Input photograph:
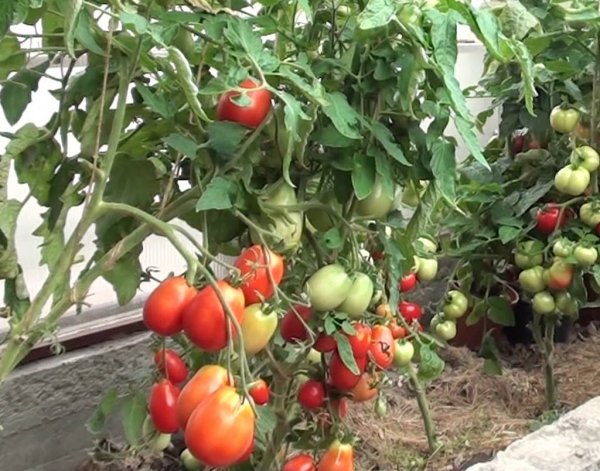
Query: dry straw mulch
x,y
475,414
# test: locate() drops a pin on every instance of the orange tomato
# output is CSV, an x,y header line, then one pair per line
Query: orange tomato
x,y
338,457
364,390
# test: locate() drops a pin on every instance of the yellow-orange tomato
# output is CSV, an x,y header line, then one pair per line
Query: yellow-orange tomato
x,y
364,390
384,310
221,429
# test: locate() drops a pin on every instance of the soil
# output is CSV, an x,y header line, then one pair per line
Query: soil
x,y
475,414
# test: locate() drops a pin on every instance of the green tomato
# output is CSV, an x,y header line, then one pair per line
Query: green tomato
x,y
410,196
148,429
562,248
410,15
566,304
189,462
585,256
590,214
572,181
328,287
586,157
404,353
564,120
161,442
378,204
184,41
257,328
456,304
321,219
543,303
426,245
532,279
359,298
446,330
529,254
380,406
427,268
314,357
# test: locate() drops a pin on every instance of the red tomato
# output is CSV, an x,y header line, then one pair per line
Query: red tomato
x,y
205,321
377,255
170,364
398,331
292,329
408,282
250,116
364,390
301,462
383,346
221,429
324,343
248,453
338,457
206,381
361,340
163,310
255,264
340,376
163,402
410,311
517,143
547,219
260,392
311,394
340,406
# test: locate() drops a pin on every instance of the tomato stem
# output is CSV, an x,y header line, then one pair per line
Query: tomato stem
x,y
423,407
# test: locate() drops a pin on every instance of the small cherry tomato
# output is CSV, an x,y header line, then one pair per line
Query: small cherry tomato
x,y
170,364
446,330
410,311
408,282
456,304
260,392
398,331
292,329
384,310
311,394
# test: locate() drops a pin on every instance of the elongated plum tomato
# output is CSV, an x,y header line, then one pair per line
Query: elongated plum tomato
x,y
364,390
250,116
257,328
170,364
291,328
260,392
221,429
378,204
328,287
204,320
206,381
408,282
311,395
548,219
338,457
301,462
360,341
163,402
360,296
324,343
383,346
254,264
163,310
340,376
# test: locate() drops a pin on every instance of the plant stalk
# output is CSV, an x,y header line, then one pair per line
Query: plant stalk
x,y
424,408
551,395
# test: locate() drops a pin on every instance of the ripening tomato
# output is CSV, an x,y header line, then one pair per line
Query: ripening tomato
x,y
398,331
163,402
365,389
205,322
301,462
548,219
250,116
260,392
340,376
254,264
292,329
248,453
163,310
206,381
564,119
408,282
383,346
338,457
360,341
324,343
384,310
559,276
221,429
410,311
258,326
311,395
170,364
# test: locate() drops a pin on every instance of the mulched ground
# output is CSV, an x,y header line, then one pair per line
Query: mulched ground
x,y
475,414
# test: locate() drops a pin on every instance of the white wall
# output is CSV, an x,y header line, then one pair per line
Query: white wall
x,y
157,251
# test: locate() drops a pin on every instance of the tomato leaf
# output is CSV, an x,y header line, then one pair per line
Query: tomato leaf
x,y
525,60
156,101
345,350
384,170
476,313
97,421
330,325
125,276
9,213
363,175
217,195
386,139
509,233
225,137
333,239
7,8
489,351
443,166
342,115
182,144
240,34
431,365
16,296
133,414
71,13
517,21
265,423
465,129
377,13
500,311
16,94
